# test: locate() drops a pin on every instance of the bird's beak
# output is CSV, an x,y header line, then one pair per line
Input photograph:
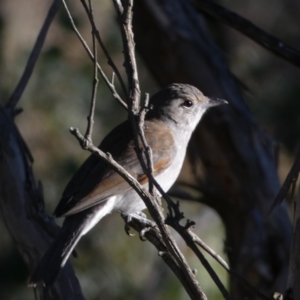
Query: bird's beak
x,y
215,102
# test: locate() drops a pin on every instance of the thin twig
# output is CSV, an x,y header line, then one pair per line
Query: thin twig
x,y
154,237
17,94
211,252
183,231
194,238
115,166
86,47
88,134
247,28
223,263
105,51
146,147
125,19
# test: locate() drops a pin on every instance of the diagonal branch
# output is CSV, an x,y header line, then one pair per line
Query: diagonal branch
x,y
192,240
109,59
264,39
173,222
125,19
17,94
154,236
88,134
109,84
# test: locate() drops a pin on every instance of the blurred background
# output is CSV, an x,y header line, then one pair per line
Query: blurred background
x,y
110,264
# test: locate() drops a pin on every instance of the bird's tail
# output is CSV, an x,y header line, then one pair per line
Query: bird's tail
x,y
55,258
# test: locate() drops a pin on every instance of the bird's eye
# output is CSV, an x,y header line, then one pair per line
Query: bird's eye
x,y
187,103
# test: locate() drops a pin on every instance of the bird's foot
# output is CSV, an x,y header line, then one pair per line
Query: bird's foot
x,y
143,219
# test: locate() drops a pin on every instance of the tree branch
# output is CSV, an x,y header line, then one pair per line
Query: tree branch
x,y
109,84
154,236
109,59
22,207
90,118
192,240
264,39
125,20
21,200
17,94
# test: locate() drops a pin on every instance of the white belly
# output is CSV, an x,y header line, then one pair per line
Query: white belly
x,y
169,176
130,202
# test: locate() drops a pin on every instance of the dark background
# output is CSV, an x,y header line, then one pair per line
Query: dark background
x,y
110,263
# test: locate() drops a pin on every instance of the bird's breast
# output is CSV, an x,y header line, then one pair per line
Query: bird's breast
x,y
167,178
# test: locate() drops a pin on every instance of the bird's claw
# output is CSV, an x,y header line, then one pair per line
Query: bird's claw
x,y
141,217
127,227
143,232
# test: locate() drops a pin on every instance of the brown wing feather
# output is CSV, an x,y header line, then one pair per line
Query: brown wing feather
x,y
95,181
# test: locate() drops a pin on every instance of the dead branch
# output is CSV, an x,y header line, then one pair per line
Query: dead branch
x,y
125,20
264,39
154,236
21,200
110,84
105,51
34,55
90,118
22,207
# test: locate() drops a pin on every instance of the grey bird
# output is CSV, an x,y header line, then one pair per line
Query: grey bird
x,y
96,190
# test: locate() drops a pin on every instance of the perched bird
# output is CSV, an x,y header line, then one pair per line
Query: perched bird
x,y
96,190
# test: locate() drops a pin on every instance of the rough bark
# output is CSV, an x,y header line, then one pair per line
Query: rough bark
x,y
234,162
22,207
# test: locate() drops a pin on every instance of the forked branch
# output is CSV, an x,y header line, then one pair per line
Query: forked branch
x,y
110,84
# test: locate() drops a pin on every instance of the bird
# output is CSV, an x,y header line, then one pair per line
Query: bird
x,y
96,189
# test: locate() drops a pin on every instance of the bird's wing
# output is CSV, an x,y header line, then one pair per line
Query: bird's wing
x,y
95,181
